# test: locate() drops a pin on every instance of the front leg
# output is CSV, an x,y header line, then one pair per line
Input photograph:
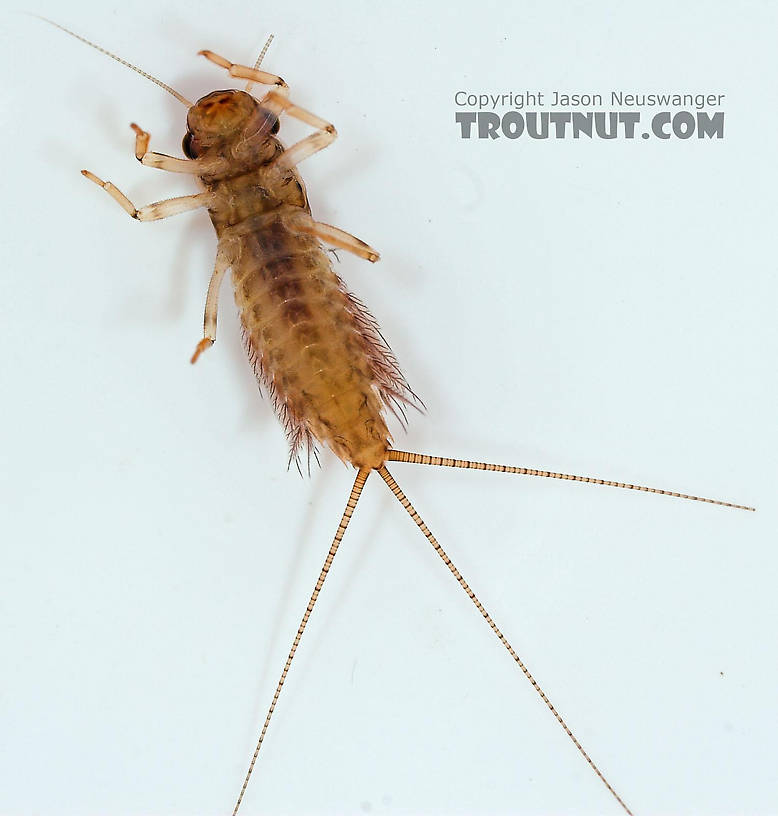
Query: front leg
x,y
161,161
243,71
325,131
155,211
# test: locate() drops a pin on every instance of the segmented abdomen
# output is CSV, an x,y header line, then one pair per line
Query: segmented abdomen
x,y
313,345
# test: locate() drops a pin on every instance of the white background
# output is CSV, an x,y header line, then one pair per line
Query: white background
x,y
587,306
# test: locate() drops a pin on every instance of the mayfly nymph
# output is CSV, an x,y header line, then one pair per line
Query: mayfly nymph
x,y
314,347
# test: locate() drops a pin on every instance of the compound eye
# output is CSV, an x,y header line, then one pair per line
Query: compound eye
x,y
266,122
188,147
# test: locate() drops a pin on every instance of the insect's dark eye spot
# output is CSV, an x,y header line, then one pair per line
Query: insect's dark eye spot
x,y
267,121
188,148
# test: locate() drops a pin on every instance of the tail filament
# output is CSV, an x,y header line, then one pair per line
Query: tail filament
x,y
351,504
424,459
393,486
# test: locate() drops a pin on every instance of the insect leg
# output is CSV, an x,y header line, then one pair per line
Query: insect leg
x,y
394,487
243,71
161,161
356,492
142,139
325,135
211,305
155,211
303,222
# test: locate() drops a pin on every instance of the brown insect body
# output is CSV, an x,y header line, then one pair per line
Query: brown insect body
x,y
313,345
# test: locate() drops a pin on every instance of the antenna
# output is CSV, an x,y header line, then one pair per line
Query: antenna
x,y
135,68
261,56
